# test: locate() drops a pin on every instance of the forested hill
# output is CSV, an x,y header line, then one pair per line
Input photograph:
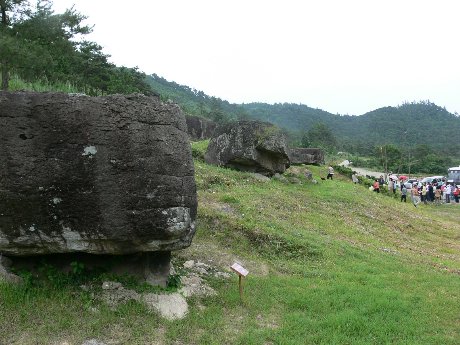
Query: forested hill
x,y
415,123
38,46
410,124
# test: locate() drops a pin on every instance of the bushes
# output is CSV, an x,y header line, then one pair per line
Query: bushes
x,y
199,149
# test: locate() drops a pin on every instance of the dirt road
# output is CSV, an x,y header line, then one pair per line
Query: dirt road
x,y
362,171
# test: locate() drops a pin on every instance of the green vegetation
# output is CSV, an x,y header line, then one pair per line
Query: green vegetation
x,y
199,149
39,46
330,263
44,51
420,134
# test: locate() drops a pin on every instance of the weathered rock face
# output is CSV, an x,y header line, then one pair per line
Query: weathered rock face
x,y
249,146
103,175
199,128
300,155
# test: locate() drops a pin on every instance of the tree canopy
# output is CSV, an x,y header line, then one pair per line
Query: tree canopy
x,y
38,44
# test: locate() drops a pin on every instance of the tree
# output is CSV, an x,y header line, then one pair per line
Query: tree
x,y
128,80
48,37
10,10
93,68
320,136
389,157
217,113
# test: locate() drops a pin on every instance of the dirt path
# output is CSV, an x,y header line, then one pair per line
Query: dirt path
x,y
361,171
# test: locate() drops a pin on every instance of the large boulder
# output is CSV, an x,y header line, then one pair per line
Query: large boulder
x,y
199,128
100,175
300,155
249,146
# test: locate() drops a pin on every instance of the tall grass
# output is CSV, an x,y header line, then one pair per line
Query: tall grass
x,y
18,84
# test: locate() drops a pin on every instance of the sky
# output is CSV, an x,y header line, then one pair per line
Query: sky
x,y
345,57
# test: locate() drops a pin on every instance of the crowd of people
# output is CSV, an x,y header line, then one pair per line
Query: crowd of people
x,y
437,191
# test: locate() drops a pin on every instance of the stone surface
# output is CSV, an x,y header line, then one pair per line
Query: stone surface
x,y
5,273
193,285
93,342
199,128
249,146
300,155
171,306
114,297
260,177
103,175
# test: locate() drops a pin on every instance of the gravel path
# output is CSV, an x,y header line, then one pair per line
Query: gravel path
x,y
361,171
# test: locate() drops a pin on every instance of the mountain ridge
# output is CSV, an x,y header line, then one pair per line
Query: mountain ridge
x,y
408,124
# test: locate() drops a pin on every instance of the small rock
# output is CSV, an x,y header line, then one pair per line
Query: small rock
x,y
260,177
189,264
222,275
280,178
172,306
201,270
93,342
202,265
5,263
114,297
194,285
295,180
111,285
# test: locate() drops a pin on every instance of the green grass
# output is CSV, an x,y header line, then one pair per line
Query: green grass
x,y
17,84
330,263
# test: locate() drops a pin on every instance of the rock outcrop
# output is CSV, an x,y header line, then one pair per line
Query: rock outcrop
x,y
300,155
249,146
199,128
100,175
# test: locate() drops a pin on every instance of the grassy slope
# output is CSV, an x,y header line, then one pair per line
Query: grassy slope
x,y
330,263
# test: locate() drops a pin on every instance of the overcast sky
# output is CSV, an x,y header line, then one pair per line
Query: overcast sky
x,y
346,57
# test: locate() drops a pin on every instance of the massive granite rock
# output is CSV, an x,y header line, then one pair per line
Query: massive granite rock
x,y
101,175
300,155
249,146
199,128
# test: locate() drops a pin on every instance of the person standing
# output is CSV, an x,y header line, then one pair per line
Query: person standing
x,y
354,178
424,190
415,195
456,193
447,192
390,185
376,186
430,192
437,196
330,172
403,192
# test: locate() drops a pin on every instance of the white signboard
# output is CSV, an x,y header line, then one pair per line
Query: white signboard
x,y
239,269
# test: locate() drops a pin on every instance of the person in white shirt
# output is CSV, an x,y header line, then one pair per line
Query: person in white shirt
x,y
354,178
447,192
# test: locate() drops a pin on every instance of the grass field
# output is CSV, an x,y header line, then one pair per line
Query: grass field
x,y
330,263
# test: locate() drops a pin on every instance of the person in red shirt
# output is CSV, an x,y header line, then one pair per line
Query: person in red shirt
x,y
376,186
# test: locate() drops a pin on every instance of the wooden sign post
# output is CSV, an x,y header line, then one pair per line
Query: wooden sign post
x,y
242,272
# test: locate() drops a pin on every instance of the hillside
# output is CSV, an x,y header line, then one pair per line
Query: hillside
x,y
330,263
49,49
410,124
